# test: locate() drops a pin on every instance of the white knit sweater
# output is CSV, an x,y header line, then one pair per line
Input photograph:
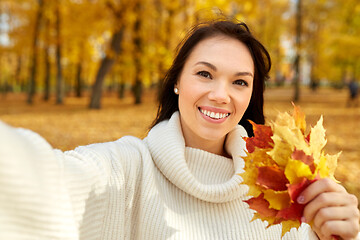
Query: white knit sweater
x,y
154,188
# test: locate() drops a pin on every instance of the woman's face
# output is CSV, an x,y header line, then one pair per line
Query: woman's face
x,y
215,88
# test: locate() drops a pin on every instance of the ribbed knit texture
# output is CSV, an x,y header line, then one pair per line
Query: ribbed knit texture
x,y
154,188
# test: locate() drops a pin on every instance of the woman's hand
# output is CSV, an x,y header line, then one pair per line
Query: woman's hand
x,y
331,210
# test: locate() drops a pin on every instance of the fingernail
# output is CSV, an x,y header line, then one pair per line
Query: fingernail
x,y
303,219
301,199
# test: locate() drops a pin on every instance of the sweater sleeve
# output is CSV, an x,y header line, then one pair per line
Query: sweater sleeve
x,y
48,194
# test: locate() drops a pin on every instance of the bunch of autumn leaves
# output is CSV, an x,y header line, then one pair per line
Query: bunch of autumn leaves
x,y
281,162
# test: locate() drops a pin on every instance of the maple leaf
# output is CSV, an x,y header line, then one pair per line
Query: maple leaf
x,y
331,162
308,160
294,212
295,170
295,189
261,139
288,225
272,177
299,118
277,199
293,136
317,140
277,171
260,205
281,151
327,165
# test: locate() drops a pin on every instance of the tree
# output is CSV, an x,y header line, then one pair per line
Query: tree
x,y
298,50
138,42
47,60
119,12
59,80
34,56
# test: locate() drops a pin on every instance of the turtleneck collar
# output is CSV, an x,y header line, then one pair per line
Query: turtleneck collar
x,y
204,175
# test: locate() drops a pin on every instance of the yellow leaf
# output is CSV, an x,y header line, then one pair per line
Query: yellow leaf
x,y
281,151
253,160
270,220
327,165
287,225
293,136
284,119
332,163
299,117
295,170
277,199
317,140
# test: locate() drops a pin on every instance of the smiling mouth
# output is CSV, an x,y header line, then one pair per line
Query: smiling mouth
x,y
214,115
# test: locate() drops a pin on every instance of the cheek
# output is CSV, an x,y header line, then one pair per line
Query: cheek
x,y
185,101
243,103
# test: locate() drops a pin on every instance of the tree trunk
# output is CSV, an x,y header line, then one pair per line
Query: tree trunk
x,y
122,90
18,71
298,49
33,68
137,87
105,66
137,90
78,85
47,74
59,79
47,62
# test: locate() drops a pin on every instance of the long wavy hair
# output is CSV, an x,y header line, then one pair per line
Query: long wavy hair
x,y
168,100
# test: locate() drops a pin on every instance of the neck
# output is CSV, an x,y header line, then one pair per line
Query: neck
x,y
216,147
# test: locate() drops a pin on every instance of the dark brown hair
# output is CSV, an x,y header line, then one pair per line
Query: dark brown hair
x,y
168,100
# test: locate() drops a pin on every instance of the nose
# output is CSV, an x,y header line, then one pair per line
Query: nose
x,y
220,93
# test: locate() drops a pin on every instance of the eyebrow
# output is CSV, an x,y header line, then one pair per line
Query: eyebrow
x,y
215,69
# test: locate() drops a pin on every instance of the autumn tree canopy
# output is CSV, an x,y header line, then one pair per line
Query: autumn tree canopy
x,y
67,46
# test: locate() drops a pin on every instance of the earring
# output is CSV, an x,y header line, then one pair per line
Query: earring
x,y
176,90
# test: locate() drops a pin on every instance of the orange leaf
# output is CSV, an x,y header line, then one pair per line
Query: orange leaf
x,y
272,177
299,118
301,156
261,139
260,205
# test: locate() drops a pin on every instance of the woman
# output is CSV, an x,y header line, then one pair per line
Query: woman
x,y
181,181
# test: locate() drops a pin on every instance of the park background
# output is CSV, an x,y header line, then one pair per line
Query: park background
x,y
85,71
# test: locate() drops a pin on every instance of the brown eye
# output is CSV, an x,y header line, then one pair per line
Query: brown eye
x,y
204,74
241,83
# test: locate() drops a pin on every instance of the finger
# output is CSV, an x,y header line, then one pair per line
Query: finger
x,y
318,187
326,200
332,214
338,228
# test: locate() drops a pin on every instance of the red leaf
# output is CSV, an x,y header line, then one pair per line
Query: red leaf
x,y
272,177
261,139
294,212
295,189
307,138
301,156
260,205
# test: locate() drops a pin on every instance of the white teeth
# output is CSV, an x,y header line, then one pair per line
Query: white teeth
x,y
215,115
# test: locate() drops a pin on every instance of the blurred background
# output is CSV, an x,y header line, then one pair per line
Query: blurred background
x,y
84,71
